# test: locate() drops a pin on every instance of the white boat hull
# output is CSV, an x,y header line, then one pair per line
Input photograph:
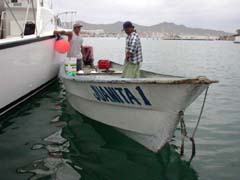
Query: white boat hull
x,y
148,113
237,39
24,68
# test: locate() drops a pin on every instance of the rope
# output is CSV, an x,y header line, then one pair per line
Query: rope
x,y
200,115
184,130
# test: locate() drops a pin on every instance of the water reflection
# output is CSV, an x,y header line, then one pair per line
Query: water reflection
x,y
55,166
86,149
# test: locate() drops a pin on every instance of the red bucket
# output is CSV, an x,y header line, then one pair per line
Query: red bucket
x,y
104,64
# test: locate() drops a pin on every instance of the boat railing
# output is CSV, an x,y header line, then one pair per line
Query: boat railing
x,y
65,20
21,25
14,17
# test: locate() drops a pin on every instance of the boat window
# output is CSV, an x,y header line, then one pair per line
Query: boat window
x,y
14,1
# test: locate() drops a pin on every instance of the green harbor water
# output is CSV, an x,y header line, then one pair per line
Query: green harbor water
x,y
46,139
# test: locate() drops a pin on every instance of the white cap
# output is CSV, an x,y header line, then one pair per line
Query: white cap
x,y
77,25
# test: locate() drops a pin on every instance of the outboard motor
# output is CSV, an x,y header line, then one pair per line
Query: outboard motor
x,y
88,54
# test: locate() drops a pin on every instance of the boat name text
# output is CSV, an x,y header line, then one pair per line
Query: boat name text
x,y
120,95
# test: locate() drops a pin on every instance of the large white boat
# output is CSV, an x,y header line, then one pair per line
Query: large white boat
x,y
147,109
26,50
237,39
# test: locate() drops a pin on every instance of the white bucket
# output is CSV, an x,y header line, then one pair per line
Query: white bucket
x,y
70,64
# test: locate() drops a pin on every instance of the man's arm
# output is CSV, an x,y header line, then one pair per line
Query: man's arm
x,y
128,55
66,33
131,48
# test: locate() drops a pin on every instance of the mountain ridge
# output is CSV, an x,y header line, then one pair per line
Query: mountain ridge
x,y
164,27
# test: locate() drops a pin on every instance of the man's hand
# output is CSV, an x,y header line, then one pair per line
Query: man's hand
x,y
128,55
55,33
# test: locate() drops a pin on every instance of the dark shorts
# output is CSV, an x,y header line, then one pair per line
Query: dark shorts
x,y
79,64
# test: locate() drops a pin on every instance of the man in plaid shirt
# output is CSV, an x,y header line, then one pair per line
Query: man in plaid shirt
x,y
133,57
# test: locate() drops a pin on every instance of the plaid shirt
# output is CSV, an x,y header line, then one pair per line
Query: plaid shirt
x,y
133,45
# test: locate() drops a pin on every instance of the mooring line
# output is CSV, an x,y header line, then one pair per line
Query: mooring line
x,y
184,129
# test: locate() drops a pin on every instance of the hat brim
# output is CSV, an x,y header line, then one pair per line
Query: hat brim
x,y
127,27
77,26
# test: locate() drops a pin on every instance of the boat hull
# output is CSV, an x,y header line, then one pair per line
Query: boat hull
x,y
237,40
148,113
25,66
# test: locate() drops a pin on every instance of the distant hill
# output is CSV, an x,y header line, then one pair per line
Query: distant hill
x,y
164,27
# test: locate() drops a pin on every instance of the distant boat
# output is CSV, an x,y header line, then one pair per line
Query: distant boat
x,y
26,50
145,109
237,39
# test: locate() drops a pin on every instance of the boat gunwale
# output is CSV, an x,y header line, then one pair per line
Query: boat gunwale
x,y
10,43
84,79
144,81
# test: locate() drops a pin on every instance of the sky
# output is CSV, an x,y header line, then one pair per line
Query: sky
x,y
209,14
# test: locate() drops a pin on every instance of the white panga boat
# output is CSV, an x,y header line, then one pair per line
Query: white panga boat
x,y
145,109
237,39
26,50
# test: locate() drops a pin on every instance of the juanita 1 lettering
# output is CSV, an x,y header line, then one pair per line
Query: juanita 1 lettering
x,y
120,95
